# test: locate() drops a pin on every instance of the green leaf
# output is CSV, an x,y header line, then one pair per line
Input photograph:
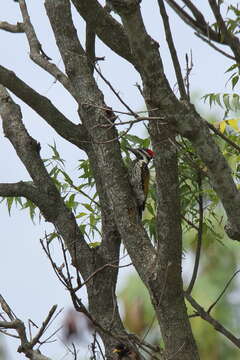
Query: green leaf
x,y
81,214
234,81
51,236
67,177
94,244
9,204
88,207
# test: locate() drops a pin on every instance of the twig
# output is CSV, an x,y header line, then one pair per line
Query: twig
x,y
209,42
223,291
172,50
199,24
229,38
189,67
217,326
189,222
200,233
8,334
38,55
224,137
116,93
100,349
101,269
36,338
6,308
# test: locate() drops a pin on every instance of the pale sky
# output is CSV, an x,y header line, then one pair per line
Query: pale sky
x,y
27,280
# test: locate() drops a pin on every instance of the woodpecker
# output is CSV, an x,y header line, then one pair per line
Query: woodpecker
x,y
124,353
139,175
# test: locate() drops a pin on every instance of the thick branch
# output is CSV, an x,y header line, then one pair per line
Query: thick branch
x,y
105,26
18,189
182,118
165,283
90,47
107,151
76,134
48,199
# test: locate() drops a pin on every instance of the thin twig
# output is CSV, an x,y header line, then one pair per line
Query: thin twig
x,y
101,269
116,93
209,42
189,67
216,324
172,49
36,338
224,137
189,222
199,239
38,55
223,291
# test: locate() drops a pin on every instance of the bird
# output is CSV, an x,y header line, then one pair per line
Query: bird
x,y
124,353
140,175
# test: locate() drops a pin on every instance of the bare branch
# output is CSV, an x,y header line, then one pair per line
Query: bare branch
x,y
76,134
25,189
105,26
199,239
172,50
217,326
209,42
45,323
38,55
223,291
48,198
224,137
18,28
228,37
199,23
26,347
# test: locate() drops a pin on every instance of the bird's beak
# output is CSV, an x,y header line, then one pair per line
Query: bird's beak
x,y
115,351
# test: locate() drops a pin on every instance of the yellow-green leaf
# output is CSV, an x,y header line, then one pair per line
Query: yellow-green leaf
x,y
233,123
222,126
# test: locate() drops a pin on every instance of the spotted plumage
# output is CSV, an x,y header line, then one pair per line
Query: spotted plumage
x,y
139,175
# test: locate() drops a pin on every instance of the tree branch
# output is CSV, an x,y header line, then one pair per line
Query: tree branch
x,y
48,198
217,326
199,239
172,49
90,47
38,55
231,40
199,23
26,347
75,134
214,46
105,26
18,189
18,28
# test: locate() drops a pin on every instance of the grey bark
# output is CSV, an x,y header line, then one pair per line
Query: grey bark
x,y
161,273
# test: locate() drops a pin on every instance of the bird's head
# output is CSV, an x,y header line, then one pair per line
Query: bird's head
x,y
143,154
